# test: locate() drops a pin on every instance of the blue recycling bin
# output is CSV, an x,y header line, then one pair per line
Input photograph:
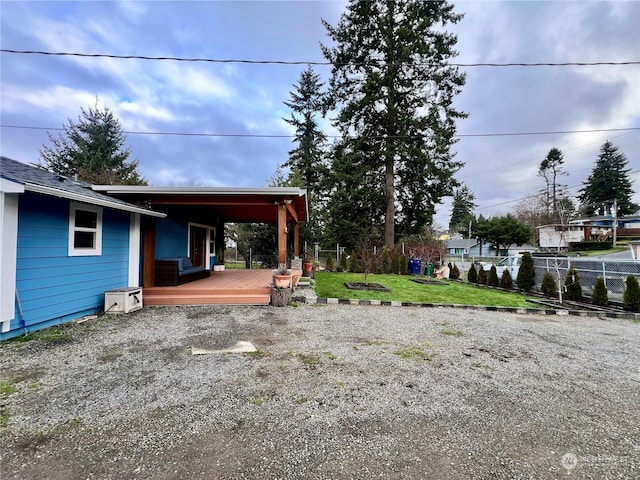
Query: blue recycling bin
x,y
414,266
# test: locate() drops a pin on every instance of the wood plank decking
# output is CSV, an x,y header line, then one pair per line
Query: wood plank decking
x,y
231,287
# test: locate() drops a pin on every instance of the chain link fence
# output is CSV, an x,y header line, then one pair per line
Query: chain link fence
x,y
614,272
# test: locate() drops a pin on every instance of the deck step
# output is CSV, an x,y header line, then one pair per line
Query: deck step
x,y
208,299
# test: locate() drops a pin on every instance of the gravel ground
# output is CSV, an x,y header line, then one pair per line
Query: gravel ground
x,y
333,392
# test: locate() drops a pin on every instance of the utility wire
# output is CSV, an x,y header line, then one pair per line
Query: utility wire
x,y
256,135
533,195
306,62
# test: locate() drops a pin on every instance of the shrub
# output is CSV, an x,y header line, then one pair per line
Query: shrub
x,y
526,275
599,295
343,262
354,264
493,277
329,264
482,276
472,276
572,285
506,281
455,272
404,265
385,262
631,297
548,285
395,263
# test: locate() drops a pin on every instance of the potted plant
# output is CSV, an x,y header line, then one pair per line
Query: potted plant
x,y
307,265
282,276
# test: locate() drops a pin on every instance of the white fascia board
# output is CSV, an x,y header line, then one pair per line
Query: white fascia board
x,y
8,186
90,200
113,189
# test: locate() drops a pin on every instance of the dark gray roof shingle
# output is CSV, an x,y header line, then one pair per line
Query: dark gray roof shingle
x,y
24,174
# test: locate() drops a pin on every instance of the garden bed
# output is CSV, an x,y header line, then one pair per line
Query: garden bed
x,y
374,287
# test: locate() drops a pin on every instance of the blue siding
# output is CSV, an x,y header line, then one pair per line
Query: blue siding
x,y
53,287
172,238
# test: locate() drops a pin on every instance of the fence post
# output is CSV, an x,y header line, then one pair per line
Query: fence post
x,y
604,273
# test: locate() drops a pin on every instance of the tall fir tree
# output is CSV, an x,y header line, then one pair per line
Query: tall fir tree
x,y
307,159
462,211
609,181
393,89
93,149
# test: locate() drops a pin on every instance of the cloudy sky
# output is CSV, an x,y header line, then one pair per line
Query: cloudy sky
x,y
44,92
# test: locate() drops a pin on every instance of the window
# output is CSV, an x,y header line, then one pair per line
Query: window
x,y
85,230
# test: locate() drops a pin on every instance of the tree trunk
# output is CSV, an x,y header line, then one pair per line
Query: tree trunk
x,y
389,216
281,297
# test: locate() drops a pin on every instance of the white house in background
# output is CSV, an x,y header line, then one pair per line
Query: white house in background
x,y
557,237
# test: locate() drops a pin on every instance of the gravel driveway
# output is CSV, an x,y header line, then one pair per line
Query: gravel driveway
x,y
333,392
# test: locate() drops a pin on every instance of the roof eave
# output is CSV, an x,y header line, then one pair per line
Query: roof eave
x,y
31,187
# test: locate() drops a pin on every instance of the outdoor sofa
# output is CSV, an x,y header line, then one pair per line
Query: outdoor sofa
x,y
176,271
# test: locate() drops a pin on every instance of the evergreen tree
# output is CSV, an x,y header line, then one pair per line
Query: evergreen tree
x,y
343,262
396,267
493,277
506,281
526,278
354,264
385,263
505,231
599,295
329,265
482,276
631,295
550,169
572,285
472,275
394,89
548,285
93,149
404,265
462,211
307,159
609,181
455,272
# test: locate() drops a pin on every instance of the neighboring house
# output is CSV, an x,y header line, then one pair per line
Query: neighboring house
x,y
557,237
62,245
554,238
463,246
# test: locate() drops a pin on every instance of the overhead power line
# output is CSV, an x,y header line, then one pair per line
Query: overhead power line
x,y
304,62
257,135
534,195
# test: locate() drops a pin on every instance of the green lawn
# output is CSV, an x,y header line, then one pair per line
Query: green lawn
x,y
331,285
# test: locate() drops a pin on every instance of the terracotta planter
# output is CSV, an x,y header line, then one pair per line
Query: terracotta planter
x,y
307,266
282,280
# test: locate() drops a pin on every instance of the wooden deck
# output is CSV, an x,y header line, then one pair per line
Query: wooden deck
x,y
231,287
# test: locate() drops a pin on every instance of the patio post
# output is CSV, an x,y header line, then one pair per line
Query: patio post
x,y
282,233
296,240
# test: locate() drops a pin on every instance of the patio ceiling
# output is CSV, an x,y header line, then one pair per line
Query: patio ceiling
x,y
242,205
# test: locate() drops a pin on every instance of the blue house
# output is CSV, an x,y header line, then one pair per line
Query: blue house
x,y
62,245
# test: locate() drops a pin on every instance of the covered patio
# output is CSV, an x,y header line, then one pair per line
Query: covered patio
x,y
199,215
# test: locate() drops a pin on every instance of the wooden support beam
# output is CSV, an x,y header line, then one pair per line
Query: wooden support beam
x,y
149,251
293,213
296,240
282,234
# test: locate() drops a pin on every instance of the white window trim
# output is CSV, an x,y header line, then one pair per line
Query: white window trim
x,y
84,252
